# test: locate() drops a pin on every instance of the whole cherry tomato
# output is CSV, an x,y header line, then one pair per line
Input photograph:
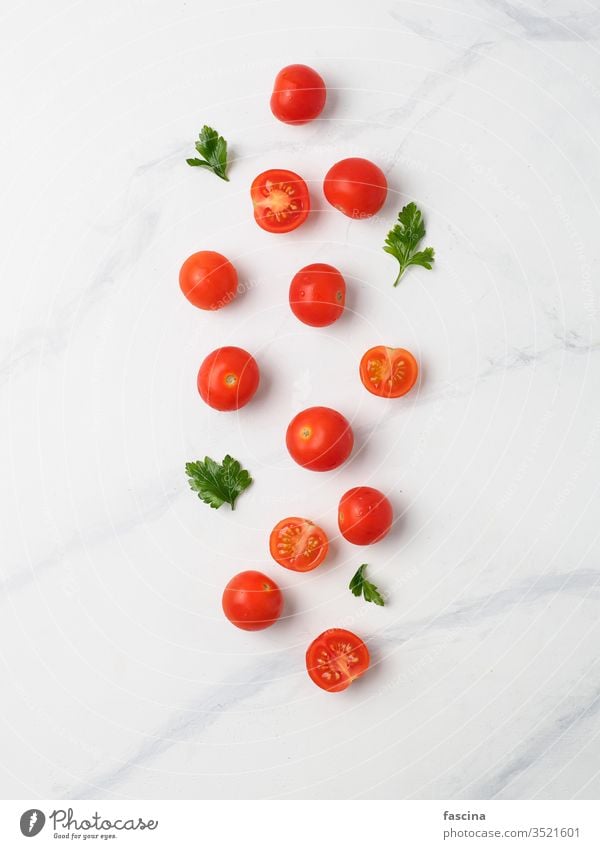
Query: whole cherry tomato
x,y
208,280
319,439
228,378
252,601
356,187
299,94
318,294
365,515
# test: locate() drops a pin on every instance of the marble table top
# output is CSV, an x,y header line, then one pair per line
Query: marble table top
x,y
120,676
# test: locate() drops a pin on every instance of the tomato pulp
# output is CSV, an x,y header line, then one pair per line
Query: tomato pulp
x,y
356,187
318,294
298,544
365,515
228,378
336,658
208,280
388,372
252,601
281,200
299,94
319,439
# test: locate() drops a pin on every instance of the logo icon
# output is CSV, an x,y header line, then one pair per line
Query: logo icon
x,y
32,822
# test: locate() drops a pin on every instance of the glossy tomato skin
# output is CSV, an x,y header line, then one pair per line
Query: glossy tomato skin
x,y
318,294
319,439
388,372
336,658
365,515
298,544
252,601
208,280
299,94
356,187
280,199
228,378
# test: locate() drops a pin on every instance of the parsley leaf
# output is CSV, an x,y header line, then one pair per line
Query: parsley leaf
x,y
404,237
213,148
217,483
360,586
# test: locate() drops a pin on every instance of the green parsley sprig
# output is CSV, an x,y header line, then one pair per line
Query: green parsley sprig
x,y
404,238
360,586
218,483
213,148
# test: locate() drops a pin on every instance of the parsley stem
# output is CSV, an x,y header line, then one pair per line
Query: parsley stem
x,y
400,273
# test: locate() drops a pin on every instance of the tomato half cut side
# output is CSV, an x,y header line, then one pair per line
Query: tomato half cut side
x,y
281,200
388,372
336,658
298,544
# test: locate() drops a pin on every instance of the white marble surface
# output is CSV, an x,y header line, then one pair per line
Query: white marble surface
x,y
120,676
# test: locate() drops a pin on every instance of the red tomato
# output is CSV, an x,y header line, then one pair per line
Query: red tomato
x,y
299,94
319,439
252,601
365,515
318,294
208,280
228,378
281,201
356,187
297,544
336,658
388,372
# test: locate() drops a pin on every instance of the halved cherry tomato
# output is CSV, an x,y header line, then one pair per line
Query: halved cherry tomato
x,y
228,378
252,601
365,515
208,280
388,372
336,658
319,439
299,94
281,200
297,544
356,187
318,294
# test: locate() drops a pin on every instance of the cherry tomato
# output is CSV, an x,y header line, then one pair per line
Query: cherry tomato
x,y
252,601
297,544
336,658
318,294
208,280
356,187
388,372
281,201
365,515
228,378
319,438
299,94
